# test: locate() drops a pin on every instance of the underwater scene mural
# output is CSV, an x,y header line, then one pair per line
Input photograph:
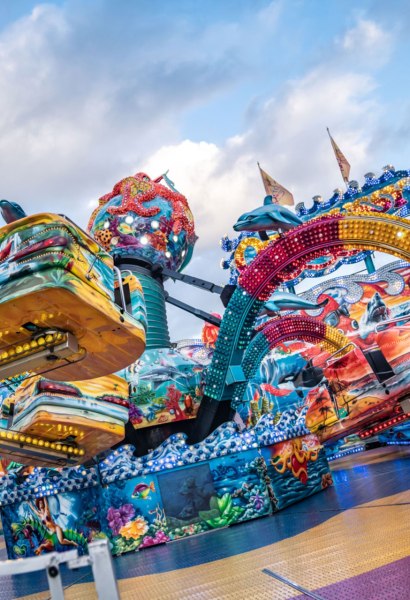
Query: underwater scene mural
x,y
55,510
186,494
149,510
214,495
55,523
133,514
177,490
164,387
241,480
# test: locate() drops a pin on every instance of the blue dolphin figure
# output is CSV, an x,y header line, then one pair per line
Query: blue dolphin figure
x,y
269,217
286,301
11,211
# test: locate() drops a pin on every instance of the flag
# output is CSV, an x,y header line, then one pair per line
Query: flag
x,y
344,166
280,195
169,183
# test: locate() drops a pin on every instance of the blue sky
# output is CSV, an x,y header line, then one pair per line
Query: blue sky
x,y
94,90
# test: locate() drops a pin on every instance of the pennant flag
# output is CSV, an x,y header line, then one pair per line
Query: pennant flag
x,y
167,180
280,195
344,165
169,183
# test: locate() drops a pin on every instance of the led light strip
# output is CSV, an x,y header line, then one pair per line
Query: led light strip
x,y
386,425
282,261
30,449
345,453
276,331
33,346
30,358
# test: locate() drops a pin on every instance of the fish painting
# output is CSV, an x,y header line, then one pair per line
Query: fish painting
x,y
161,374
143,490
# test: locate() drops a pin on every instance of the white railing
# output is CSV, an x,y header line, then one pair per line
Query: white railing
x,y
99,559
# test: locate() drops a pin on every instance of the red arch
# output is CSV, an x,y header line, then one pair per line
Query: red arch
x,y
286,258
283,260
289,328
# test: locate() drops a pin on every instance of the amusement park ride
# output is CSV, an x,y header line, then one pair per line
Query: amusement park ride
x,y
99,409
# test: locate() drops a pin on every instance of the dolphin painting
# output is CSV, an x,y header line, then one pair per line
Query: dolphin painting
x,y
286,301
296,371
161,374
269,217
10,211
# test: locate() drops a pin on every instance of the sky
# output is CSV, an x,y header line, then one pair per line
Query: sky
x,y
92,91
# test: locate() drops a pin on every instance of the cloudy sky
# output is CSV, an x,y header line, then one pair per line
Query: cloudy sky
x,y
95,90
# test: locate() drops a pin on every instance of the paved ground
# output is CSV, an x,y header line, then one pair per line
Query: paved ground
x,y
351,542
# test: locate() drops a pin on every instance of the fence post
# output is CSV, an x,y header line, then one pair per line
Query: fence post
x,y
103,570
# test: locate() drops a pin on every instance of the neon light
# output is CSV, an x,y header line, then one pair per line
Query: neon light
x,y
382,426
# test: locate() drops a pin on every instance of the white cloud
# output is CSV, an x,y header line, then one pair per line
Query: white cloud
x,y
88,92
287,135
91,94
216,192
368,42
269,15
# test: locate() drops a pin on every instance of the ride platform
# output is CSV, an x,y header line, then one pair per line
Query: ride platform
x,y
352,541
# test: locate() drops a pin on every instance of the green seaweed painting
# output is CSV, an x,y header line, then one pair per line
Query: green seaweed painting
x,y
222,512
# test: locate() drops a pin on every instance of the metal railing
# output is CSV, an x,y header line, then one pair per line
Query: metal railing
x,y
99,559
338,352
402,319
120,287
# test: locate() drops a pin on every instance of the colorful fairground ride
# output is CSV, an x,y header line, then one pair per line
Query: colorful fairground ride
x,y
363,386
144,441
60,321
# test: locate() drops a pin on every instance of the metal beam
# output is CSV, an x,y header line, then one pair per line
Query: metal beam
x,y
190,280
99,558
197,312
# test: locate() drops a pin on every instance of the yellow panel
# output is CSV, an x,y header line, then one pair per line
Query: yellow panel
x,y
112,340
